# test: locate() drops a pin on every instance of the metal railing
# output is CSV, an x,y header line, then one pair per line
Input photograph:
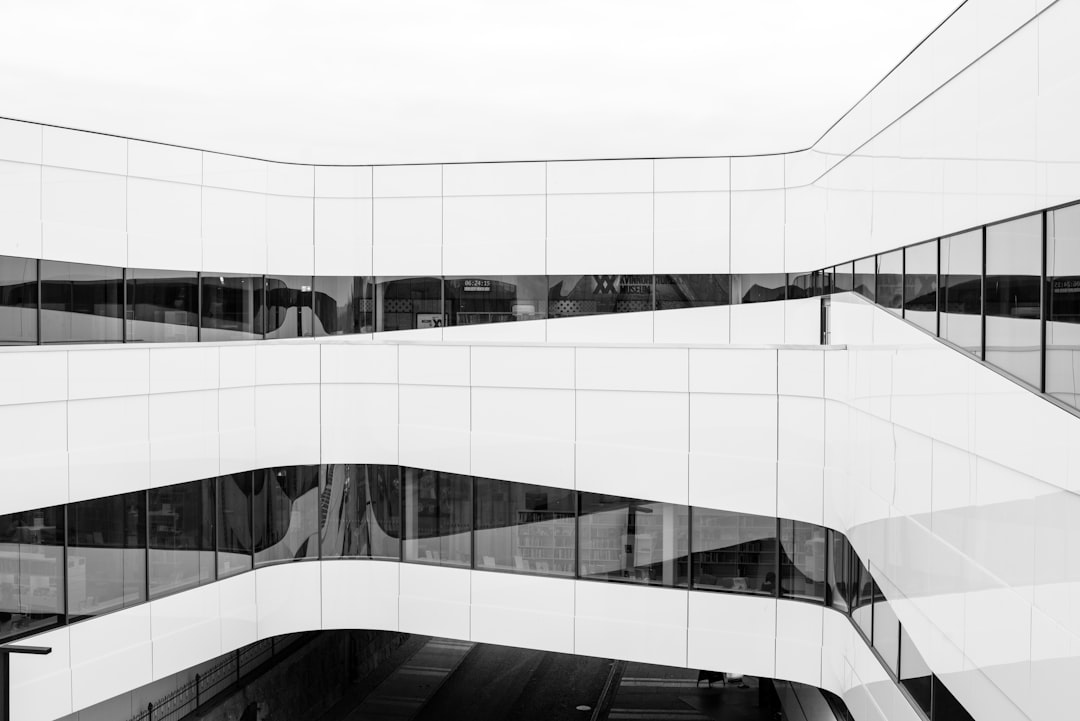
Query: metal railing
x,y
230,670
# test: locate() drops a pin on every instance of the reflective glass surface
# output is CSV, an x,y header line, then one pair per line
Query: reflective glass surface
x,y
32,570
479,299
886,633
406,303
1063,304
734,552
162,306
920,285
438,517
914,674
863,281
839,572
343,304
574,295
234,523
960,299
180,523
626,539
1013,297
890,280
758,287
81,303
362,517
862,601
230,306
106,554
692,291
844,278
524,528
287,310
285,520
18,300
802,561
945,705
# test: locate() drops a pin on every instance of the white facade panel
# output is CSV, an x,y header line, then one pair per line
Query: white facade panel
x,y
186,629
290,235
20,209
524,435
434,428
637,623
282,443
164,225
359,423
84,216
757,231
111,655
342,236
234,231
500,234
691,232
585,232
434,600
108,446
288,598
360,594
26,451
407,236
523,611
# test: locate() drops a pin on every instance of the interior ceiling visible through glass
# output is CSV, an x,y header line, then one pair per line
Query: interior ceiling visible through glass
x,y
396,81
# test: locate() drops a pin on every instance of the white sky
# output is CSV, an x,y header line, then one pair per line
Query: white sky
x,y
393,81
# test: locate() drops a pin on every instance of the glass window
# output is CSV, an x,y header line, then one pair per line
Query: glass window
x,y
692,291
862,604
734,551
18,300
625,539
803,285
890,280
802,560
180,522
286,514
478,299
363,511
162,306
886,632
288,306
1063,304
914,673
945,704
438,517
81,303
863,279
758,287
839,576
844,278
344,304
574,295
31,571
234,524
406,303
106,554
230,305
960,299
1013,305
920,285
524,528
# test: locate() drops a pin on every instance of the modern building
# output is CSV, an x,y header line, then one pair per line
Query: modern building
x,y
810,416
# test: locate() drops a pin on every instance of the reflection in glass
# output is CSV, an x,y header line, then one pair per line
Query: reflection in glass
x,y
18,300
844,278
624,539
181,530
234,524
438,517
1013,303
920,285
692,291
362,517
406,303
106,554
886,632
162,306
288,306
81,303
802,561
734,551
862,605
479,299
804,285
285,520
574,295
758,287
914,673
960,299
863,280
524,528
31,571
344,304
890,280
839,575
1063,304
945,704
230,305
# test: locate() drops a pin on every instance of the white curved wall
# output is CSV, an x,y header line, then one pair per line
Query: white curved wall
x,y
969,129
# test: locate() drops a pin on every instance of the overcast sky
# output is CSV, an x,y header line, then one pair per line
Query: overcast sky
x,y
385,81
